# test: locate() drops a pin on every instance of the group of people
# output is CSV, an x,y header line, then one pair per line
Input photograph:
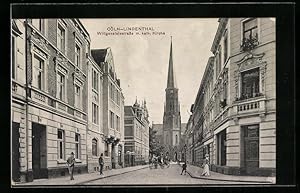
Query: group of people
x,y
205,166
161,160
71,165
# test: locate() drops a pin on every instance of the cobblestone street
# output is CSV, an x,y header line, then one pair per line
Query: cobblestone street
x,y
143,175
169,176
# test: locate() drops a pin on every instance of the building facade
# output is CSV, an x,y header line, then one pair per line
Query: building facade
x,y
136,134
237,97
95,132
50,71
172,117
113,110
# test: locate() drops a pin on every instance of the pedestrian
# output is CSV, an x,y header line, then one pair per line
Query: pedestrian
x,y
71,165
206,166
167,159
101,163
184,166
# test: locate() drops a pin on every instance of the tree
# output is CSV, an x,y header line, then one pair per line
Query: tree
x,y
154,146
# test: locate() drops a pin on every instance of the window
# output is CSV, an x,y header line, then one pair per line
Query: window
x,y
77,146
115,94
111,91
176,140
95,113
60,86
38,73
111,120
95,80
106,149
61,143
61,38
250,83
250,28
94,147
77,55
225,47
77,96
13,56
37,23
118,97
118,123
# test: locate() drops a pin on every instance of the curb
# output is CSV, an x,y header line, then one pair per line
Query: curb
x,y
217,179
98,178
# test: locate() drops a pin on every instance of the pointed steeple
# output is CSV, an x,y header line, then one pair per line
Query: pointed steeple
x,y
136,104
171,74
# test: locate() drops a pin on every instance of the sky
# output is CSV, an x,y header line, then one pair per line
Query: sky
x,y
141,60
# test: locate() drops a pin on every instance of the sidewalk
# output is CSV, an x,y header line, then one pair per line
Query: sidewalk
x,y
82,178
195,172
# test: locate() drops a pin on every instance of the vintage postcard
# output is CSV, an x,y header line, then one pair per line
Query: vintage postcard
x,y
143,101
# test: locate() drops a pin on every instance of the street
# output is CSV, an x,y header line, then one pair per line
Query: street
x,y
158,176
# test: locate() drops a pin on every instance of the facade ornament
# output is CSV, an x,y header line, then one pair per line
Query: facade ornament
x,y
250,61
236,120
40,42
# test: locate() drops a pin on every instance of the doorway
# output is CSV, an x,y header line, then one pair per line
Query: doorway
x,y
113,164
15,152
222,148
39,151
251,147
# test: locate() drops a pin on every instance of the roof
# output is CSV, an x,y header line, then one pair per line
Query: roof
x,y
99,55
15,27
219,33
128,111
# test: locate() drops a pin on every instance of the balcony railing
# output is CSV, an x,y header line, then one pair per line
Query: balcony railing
x,y
250,105
250,43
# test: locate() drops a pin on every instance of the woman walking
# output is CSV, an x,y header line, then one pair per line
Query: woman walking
x,y
206,166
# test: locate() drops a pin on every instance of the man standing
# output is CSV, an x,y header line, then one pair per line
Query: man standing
x,y
71,165
184,166
101,163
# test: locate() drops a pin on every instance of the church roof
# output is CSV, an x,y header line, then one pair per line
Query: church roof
x,y
171,73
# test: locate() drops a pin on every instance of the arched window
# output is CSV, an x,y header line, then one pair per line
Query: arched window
x,y
176,139
94,147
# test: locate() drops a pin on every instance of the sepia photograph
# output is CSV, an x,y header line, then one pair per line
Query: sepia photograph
x,y
143,101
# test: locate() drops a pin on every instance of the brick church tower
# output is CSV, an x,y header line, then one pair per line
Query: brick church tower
x,y
172,118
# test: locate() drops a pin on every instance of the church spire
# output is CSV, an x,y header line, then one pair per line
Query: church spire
x,y
171,74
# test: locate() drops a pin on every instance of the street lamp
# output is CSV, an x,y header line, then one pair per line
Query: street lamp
x,y
185,152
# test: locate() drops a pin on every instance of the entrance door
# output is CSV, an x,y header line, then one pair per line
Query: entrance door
x,y
222,148
15,152
251,149
39,156
113,164
120,155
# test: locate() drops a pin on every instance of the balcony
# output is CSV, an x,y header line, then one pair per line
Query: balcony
x,y
250,43
249,105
